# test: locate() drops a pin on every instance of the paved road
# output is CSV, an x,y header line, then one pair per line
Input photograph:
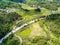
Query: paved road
x,y
18,28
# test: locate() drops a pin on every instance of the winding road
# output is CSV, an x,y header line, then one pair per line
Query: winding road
x,y
18,28
19,39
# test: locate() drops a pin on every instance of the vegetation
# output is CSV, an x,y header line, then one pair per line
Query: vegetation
x,y
15,13
7,21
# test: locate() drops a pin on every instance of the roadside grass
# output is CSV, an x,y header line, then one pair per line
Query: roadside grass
x,y
25,33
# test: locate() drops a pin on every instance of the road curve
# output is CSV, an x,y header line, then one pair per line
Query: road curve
x,y
19,39
18,28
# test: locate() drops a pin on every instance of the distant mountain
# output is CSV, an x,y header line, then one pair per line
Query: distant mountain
x,y
29,1
49,4
17,0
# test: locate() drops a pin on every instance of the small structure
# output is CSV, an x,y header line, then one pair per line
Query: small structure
x,y
7,11
50,0
14,9
54,11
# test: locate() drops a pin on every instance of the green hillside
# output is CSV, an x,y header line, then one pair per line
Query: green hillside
x,y
30,22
